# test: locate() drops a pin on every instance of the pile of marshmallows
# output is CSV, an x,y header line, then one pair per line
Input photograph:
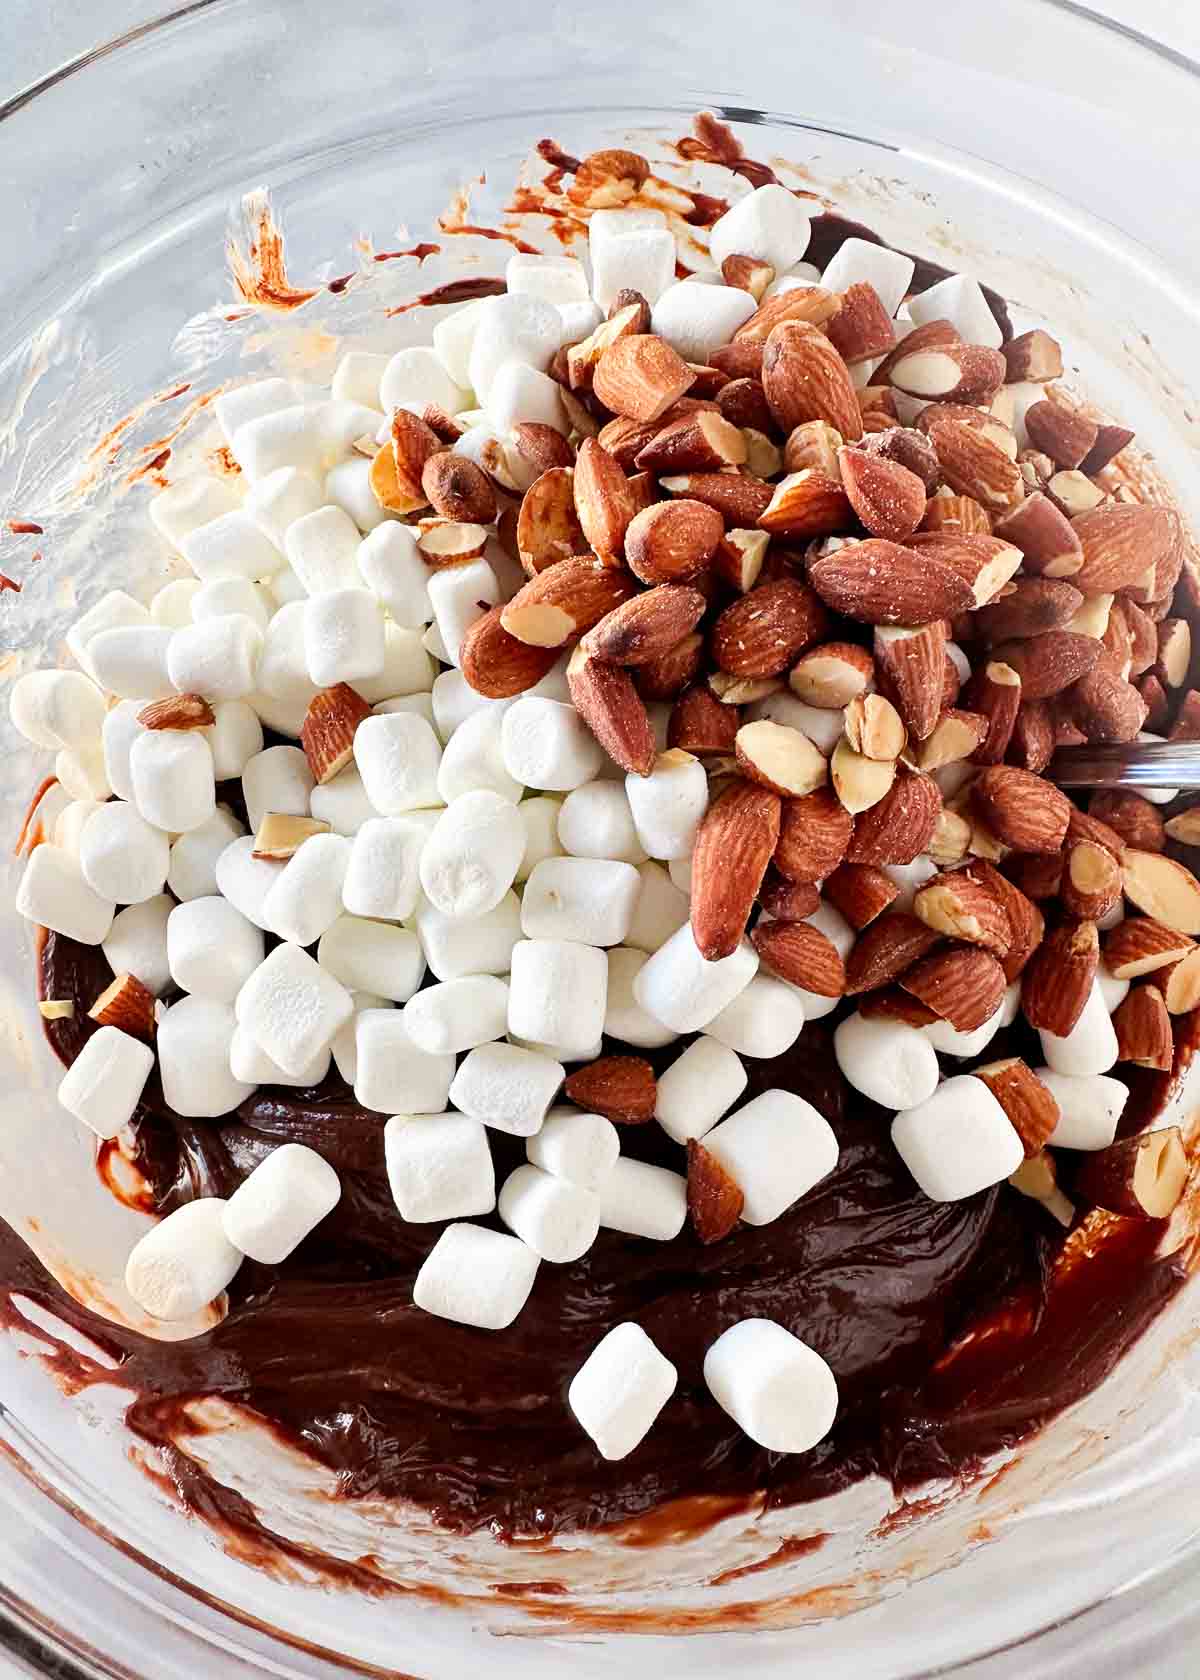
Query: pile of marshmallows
x,y
548,920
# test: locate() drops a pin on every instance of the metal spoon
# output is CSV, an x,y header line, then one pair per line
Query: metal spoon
x,y
1132,764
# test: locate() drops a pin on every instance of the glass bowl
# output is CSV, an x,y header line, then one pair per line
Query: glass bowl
x,y
986,138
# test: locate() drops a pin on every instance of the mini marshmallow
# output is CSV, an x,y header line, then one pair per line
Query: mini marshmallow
x,y
581,1148
589,900
172,606
1010,1004
291,1007
342,424
247,402
859,261
770,224
343,803
242,878
558,992
137,943
471,858
344,1049
777,1389
679,873
131,661
519,328
122,857
483,945
248,1061
559,1221
416,377
620,1389
174,785
521,395
668,804
696,319
823,725
343,636
231,546
777,1148
407,668
439,1166
282,666
121,729
290,437
192,501
1088,1108
459,595
284,1199
420,705
1156,795
643,1201
212,949
624,1017
193,1040
950,1042
278,779
661,908
959,1141
392,567
763,1020
506,1087
610,224
370,956
348,486
217,657
184,1263
398,756
458,1014
57,709
555,279
383,876
1113,991
434,644
356,378
685,992
578,320
322,550
69,823
540,819
641,260
306,896
113,611
453,337
234,738
1090,1047
227,596
960,301
392,1075
53,893
697,1089
474,758
104,1084
476,1276
547,745
596,821
891,1063
281,498
81,775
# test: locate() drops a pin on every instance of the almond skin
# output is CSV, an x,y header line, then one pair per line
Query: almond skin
x,y
640,376
739,499
901,825
1025,920
672,542
1141,945
614,711
879,582
1105,707
886,949
974,466
698,441
887,497
1121,542
787,901
1024,811
961,984
1035,605
860,891
497,664
1045,536
548,528
808,503
327,733
1031,746
804,378
862,328
957,904
700,723
603,501
801,954
910,665
994,693
457,489
762,632
1049,663
1058,979
809,306
177,711
714,1197
671,672
621,1088
646,626
1030,1105
814,832
737,839
1135,819
1143,1029
560,604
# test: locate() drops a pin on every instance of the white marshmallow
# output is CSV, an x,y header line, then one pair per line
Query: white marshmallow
x,y
343,803
248,1061
624,1017
893,1064
292,1008
620,1389
344,1048
420,705
290,437
579,320
343,636
137,943
696,319
1108,920
643,1201
57,709
342,424
697,1089
104,1084
581,1148
193,1039
910,878
306,896
558,993
348,486
184,1263
959,1141
951,1042
434,644
1020,398
518,328
596,821
217,657
1091,1045
370,956
234,738
540,819
383,876
68,825
284,1199
356,378
859,261
122,857
131,661
547,745
121,729
661,908
212,949
458,1015
777,1389
641,259
589,900
195,500
227,596
1010,1004
611,224
668,804
476,1276
823,725
559,1221
557,280
81,775
960,301
474,758
278,779
453,337
685,992
398,756
439,1166
244,879
483,945
506,1087
322,550
53,892
770,224
392,567
407,668
192,872
1158,795
471,858
1088,1108
112,611
763,1020
416,377
174,784
459,595
679,873
248,402
282,667
777,1148
279,499
521,395
1113,991
231,546
392,1074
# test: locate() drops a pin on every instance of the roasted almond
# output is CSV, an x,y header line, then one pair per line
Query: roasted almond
x,y
128,1005
450,542
1162,888
743,402
1156,706
947,372
1063,433
1035,605
874,727
548,528
412,443
806,504
671,672
1058,978
910,664
1135,819
901,825
1050,663
761,633
887,949
804,378
1025,920
696,442
801,954
1110,440
177,711
959,905
779,758
787,901
1180,984
281,835
621,1088
748,274
974,466
879,582
640,376
603,500
742,691
1034,357
1185,827
1141,1177
951,840
808,305
862,329
1032,744
444,426
962,984
714,1197
1121,542
608,178
457,489
558,605
859,780
1174,652
1024,811
888,498
860,892
542,447
645,626
1187,720
814,832
1045,536
583,358
891,1003
1073,491
1037,874
832,675
740,500
1030,1105
672,542
948,512
955,736
1105,707
1141,945
737,838
1143,1028
614,711
814,444
327,732
700,723
994,693
497,664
